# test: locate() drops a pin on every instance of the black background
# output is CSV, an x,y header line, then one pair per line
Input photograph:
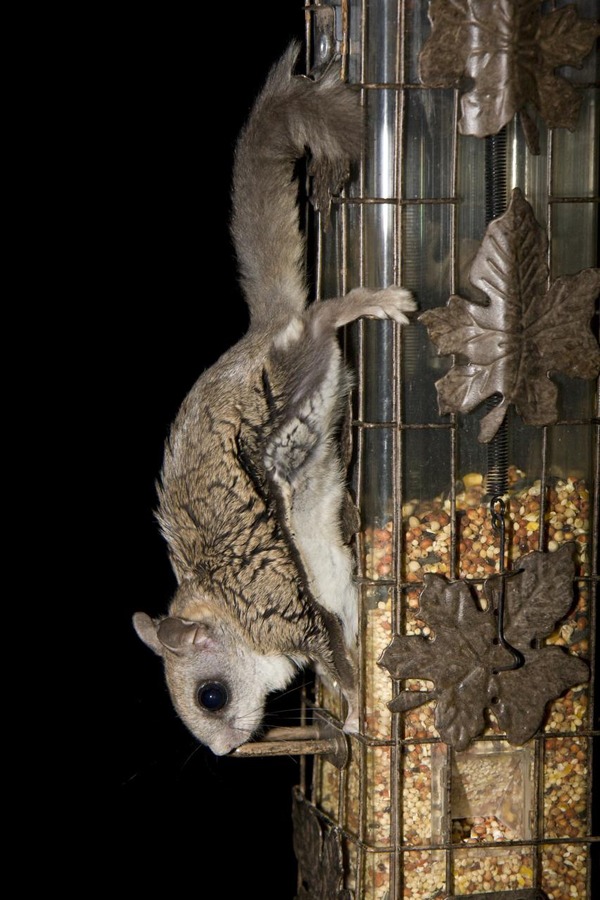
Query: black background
x,y
182,90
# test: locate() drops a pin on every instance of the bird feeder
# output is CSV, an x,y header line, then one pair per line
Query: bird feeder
x,y
474,458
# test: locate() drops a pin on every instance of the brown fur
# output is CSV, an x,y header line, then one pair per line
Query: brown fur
x,y
252,485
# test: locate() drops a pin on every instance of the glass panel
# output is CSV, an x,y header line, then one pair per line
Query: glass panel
x,y
352,869
571,711
527,171
421,369
426,271
429,144
354,245
418,29
492,794
471,209
426,258
377,876
355,27
570,451
380,163
515,453
424,874
575,153
381,40
377,799
426,465
472,454
332,262
379,370
354,802
377,606
416,794
379,244
478,870
574,237
524,448
566,777
427,525
327,780
563,871
419,722
575,401
427,535
378,477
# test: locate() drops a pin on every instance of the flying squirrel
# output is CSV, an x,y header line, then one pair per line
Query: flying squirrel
x,y
252,485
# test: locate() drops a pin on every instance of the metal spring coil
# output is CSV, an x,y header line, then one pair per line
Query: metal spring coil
x,y
495,205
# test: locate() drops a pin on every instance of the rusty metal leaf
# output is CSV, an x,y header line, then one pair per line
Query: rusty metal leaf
x,y
558,325
332,865
565,38
459,660
524,333
465,659
307,838
457,721
525,693
318,850
532,608
504,54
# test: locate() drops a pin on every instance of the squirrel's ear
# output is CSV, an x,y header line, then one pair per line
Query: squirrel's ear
x,y
172,633
146,629
180,635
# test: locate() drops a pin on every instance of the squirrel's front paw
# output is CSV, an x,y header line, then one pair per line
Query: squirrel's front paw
x,y
392,303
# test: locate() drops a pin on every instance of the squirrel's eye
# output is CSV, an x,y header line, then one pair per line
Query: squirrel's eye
x,y
212,696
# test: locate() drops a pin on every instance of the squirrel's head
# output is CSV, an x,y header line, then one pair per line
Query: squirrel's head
x,y
217,681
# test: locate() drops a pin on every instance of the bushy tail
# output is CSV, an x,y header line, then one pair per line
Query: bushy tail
x,y
290,115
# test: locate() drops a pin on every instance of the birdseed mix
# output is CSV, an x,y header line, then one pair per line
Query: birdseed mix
x,y
493,798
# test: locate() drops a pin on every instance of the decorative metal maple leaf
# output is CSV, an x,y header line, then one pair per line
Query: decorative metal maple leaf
x,y
508,51
523,333
318,851
465,657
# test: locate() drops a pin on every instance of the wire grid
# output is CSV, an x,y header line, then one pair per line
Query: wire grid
x,y
388,855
